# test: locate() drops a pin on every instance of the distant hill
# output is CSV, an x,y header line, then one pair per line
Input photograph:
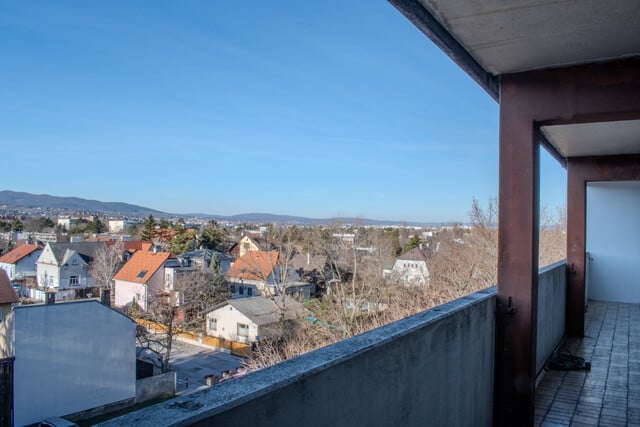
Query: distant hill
x,y
287,219
16,199
45,201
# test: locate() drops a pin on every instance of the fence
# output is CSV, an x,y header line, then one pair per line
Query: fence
x,y
236,348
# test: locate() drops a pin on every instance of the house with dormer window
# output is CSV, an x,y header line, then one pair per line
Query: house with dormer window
x,y
143,277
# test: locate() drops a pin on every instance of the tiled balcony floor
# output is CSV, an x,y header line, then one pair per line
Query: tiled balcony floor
x,y
609,394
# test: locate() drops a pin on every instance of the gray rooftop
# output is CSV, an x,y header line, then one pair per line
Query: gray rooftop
x,y
265,311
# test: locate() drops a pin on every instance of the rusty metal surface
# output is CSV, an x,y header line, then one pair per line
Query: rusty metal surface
x,y
517,263
600,92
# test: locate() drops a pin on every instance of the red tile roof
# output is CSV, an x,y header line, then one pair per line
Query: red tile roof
x,y
7,294
18,253
254,265
141,266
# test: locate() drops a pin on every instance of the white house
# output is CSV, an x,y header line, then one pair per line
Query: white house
x,y
245,320
410,268
21,261
66,265
69,357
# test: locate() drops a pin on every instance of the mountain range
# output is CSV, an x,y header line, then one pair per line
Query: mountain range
x,y
15,199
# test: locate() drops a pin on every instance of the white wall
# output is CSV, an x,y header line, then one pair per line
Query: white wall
x,y
613,240
227,324
126,292
71,357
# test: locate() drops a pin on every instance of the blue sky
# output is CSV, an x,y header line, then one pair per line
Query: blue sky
x,y
316,109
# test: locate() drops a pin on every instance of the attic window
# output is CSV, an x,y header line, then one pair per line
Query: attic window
x,y
141,274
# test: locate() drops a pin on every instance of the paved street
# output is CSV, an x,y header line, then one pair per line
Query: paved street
x,y
192,362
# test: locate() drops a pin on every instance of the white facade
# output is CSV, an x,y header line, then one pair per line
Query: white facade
x,y
73,274
25,267
117,225
228,323
410,272
69,357
66,222
141,293
613,241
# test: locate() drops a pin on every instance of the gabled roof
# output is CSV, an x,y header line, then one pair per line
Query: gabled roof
x,y
86,250
308,262
142,266
254,265
266,311
18,253
7,293
415,254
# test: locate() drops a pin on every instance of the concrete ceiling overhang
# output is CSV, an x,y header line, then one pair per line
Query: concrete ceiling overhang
x,y
595,139
489,38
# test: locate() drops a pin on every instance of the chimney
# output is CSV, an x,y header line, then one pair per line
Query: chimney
x,y
51,298
105,297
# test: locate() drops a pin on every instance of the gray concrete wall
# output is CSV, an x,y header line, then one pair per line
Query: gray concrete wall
x,y
552,296
70,357
434,368
156,386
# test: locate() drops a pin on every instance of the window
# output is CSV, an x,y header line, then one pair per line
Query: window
x,y
243,330
73,280
249,291
141,274
241,290
74,261
232,288
213,324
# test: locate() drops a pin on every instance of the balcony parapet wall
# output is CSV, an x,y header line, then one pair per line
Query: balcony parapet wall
x,y
435,367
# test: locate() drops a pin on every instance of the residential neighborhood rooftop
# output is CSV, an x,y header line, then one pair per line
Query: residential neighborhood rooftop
x,y
7,293
18,253
266,311
141,266
86,250
254,265
415,254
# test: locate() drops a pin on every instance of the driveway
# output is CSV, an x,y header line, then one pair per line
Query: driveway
x,y
192,362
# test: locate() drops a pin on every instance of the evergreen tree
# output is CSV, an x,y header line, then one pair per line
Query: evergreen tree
x,y
413,242
183,240
16,225
148,228
214,237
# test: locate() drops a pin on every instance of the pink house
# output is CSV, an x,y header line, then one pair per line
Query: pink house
x,y
142,277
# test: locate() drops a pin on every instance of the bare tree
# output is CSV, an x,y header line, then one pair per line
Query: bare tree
x,y
106,262
181,309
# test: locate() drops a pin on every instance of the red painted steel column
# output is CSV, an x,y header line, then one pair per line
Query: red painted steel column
x,y
516,310
576,232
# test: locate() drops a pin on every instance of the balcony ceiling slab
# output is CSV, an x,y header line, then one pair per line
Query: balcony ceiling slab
x,y
595,139
524,35
490,38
